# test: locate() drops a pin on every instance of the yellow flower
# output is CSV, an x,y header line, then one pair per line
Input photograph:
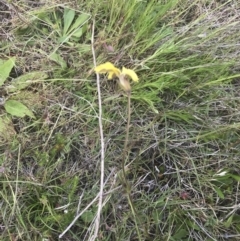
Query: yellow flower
x,y
107,68
130,73
113,72
124,83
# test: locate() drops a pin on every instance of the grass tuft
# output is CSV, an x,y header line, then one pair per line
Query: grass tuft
x,y
182,165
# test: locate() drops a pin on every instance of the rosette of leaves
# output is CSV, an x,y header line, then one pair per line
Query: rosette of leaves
x,y
11,106
65,25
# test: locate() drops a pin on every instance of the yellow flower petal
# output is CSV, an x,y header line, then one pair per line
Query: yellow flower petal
x,y
107,68
130,73
104,68
112,74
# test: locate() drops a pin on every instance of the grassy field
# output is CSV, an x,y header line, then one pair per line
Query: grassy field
x,y
76,163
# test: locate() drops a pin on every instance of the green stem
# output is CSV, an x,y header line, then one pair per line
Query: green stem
x,y
124,159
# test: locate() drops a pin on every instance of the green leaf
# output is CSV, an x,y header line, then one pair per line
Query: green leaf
x,y
192,224
88,216
5,69
148,101
78,33
236,218
236,177
25,80
182,233
63,39
18,109
219,192
80,21
58,59
228,223
68,17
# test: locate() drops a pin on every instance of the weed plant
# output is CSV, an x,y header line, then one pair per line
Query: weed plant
x,y
183,151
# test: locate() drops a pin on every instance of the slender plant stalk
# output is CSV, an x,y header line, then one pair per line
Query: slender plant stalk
x,y
125,152
124,159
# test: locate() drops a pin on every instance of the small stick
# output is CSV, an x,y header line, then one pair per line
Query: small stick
x,y
98,217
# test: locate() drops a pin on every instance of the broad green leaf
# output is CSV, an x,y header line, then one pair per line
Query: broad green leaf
x,y
5,69
25,80
18,109
88,216
29,98
78,33
58,59
79,21
182,233
68,17
63,39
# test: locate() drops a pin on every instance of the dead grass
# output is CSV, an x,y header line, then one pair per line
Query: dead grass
x,y
183,166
